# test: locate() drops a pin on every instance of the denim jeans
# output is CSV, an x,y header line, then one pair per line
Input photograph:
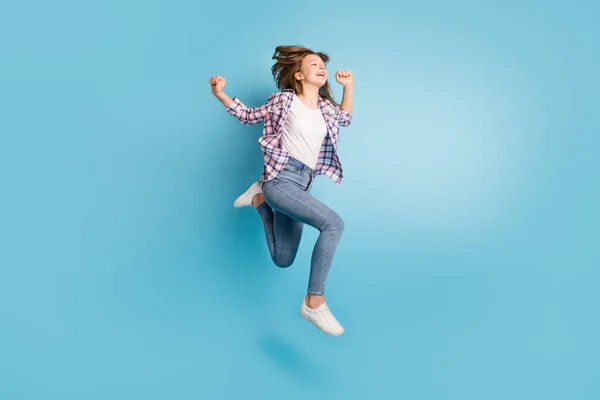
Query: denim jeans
x,y
286,209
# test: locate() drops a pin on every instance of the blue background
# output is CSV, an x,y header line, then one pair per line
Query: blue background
x,y
469,264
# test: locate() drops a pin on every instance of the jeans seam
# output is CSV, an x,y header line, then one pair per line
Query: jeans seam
x,y
266,220
283,240
322,278
276,254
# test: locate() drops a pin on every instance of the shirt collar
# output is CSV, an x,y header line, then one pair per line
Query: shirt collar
x,y
323,103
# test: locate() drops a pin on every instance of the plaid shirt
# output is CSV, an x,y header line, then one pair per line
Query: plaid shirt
x,y
274,113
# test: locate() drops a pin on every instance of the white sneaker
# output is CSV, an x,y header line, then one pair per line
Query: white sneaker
x,y
322,318
246,198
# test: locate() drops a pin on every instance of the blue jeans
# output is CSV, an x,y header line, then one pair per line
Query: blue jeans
x,y
286,209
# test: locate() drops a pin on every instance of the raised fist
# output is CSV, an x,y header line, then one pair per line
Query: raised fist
x,y
217,84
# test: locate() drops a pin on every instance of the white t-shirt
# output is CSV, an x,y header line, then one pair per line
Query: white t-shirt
x,y
303,133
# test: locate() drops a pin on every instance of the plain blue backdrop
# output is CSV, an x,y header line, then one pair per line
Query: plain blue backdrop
x,y
469,265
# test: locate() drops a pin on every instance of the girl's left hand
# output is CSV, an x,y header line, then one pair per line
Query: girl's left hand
x,y
344,77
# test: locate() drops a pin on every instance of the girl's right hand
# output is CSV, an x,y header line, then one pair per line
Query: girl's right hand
x,y
217,84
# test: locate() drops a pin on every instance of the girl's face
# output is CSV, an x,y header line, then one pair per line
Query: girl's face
x,y
313,71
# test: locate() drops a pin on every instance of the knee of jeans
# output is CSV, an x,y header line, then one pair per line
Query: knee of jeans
x,y
334,223
283,262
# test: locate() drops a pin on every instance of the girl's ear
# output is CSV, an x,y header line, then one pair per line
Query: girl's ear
x,y
298,76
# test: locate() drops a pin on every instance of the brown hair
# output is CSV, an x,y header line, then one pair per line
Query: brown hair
x,y
288,61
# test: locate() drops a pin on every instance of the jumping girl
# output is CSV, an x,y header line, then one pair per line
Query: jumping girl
x,y
299,142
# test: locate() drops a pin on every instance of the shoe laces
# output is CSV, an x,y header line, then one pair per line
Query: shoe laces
x,y
325,314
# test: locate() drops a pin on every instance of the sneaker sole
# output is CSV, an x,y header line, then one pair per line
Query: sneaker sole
x,y
313,324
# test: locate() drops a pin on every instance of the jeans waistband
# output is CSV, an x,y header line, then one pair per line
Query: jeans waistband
x,y
300,165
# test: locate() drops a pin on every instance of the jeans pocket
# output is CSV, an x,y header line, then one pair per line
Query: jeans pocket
x,y
291,169
268,184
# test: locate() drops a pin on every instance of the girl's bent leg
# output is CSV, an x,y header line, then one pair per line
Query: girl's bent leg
x,y
283,235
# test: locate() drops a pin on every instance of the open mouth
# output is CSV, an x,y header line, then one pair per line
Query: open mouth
x,y
321,74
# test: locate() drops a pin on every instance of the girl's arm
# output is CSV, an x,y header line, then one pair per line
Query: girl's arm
x,y
246,115
347,99
345,115
346,79
223,98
